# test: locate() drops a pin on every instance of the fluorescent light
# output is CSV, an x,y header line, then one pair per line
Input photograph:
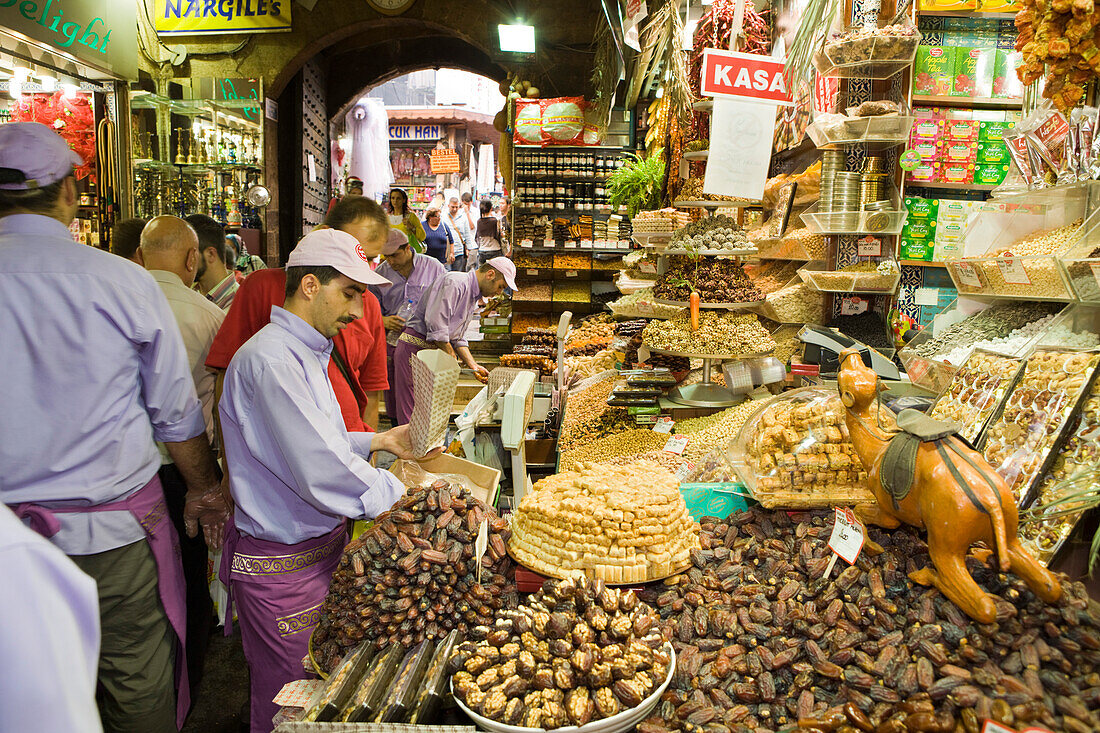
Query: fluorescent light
x,y
517,38
69,87
15,88
47,78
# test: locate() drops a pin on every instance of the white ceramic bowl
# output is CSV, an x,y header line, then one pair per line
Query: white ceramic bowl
x,y
620,723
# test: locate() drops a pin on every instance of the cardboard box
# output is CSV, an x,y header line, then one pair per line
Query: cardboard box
x,y
925,172
961,130
956,173
993,152
991,174
950,230
927,128
946,250
959,151
994,132
919,229
915,249
955,209
481,480
927,149
935,67
921,208
1006,84
974,72
715,499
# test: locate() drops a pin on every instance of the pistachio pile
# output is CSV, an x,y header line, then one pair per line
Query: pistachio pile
x,y
764,642
413,575
578,651
718,334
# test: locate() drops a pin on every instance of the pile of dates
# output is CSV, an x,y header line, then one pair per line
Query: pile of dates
x,y
413,575
578,651
717,280
764,642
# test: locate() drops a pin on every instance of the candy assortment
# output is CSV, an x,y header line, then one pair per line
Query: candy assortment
x,y
1035,414
725,334
1007,328
1075,468
797,453
641,304
660,221
975,392
861,44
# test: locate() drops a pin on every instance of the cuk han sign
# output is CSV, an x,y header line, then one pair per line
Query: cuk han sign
x,y
745,75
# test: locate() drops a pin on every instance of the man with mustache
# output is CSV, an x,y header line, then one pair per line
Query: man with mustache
x,y
296,474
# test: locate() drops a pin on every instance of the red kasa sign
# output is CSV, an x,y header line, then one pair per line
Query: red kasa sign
x,y
745,75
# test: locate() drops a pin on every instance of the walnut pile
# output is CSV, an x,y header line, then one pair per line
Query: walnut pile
x,y
578,652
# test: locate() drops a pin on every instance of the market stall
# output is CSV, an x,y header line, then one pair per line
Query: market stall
x,y
680,556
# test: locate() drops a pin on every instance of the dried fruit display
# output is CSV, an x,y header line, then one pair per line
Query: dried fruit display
x,y
577,652
975,391
796,453
1036,412
620,524
1059,39
764,642
413,575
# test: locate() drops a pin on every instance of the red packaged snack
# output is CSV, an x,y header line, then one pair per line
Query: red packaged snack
x,y
563,121
528,125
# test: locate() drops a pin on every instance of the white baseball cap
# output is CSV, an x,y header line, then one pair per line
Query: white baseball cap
x,y
334,248
33,156
504,266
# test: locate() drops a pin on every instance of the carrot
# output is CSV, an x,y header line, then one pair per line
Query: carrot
x,y
693,303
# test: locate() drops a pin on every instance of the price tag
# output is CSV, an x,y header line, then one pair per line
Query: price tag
x,y
909,160
854,305
1013,272
570,273
926,296
532,271
847,539
676,444
1095,271
992,726
686,469
526,243
869,247
967,274
570,244
480,544
649,268
663,425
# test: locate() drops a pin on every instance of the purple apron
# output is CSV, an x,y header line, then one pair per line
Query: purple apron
x,y
149,509
409,344
391,393
277,591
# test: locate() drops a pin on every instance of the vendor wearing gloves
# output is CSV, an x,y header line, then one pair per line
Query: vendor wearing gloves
x,y
440,320
411,274
295,472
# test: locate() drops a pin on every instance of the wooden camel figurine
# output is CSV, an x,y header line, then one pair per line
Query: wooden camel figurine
x,y
938,483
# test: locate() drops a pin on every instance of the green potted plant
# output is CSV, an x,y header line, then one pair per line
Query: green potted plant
x,y
637,185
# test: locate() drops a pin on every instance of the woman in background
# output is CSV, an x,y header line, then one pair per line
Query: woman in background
x,y
437,236
405,220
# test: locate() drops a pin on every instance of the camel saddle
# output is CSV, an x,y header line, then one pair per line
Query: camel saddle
x,y
899,463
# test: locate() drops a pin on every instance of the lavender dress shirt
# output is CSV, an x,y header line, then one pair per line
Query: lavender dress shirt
x,y
446,307
295,472
94,372
426,270
51,628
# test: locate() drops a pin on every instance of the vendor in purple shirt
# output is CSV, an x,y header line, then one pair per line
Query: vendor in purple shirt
x,y
95,372
296,474
411,274
440,321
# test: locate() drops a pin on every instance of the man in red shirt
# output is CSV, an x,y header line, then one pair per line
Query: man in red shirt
x,y
357,369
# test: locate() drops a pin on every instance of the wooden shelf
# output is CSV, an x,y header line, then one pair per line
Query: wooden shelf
x,y
953,186
974,102
921,263
965,14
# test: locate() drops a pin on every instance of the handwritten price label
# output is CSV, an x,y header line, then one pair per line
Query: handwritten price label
x,y
686,469
869,247
1013,272
676,444
663,425
967,275
848,536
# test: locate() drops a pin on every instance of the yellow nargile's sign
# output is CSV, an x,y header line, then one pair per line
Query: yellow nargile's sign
x,y
193,17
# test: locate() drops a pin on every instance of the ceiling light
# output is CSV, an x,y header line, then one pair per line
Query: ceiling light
x,y
517,38
69,87
15,88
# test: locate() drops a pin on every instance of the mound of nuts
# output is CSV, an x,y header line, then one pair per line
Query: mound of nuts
x,y
626,443
413,575
719,334
579,651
